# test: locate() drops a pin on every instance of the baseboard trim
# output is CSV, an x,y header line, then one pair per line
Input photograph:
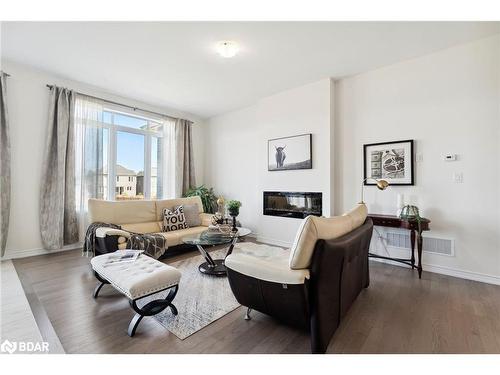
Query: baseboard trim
x,y
449,271
16,254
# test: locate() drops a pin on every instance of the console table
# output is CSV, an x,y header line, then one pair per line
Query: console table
x,y
393,221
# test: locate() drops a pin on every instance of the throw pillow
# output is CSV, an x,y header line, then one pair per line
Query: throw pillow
x,y
174,219
192,214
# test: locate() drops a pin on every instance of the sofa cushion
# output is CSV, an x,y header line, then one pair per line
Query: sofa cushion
x,y
175,237
174,219
150,227
206,219
172,238
172,203
121,212
314,228
192,214
272,268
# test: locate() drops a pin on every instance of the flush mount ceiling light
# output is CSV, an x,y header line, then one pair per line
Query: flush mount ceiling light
x,y
227,48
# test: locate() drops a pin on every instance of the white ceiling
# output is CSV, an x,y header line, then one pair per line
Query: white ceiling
x,y
173,64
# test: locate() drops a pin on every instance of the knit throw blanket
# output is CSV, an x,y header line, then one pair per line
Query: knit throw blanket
x,y
89,242
153,244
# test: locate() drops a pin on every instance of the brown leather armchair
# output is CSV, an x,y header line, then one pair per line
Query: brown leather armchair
x,y
321,280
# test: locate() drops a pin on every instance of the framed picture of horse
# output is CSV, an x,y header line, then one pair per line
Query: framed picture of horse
x,y
288,153
390,161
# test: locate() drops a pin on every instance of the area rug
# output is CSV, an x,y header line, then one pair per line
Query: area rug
x,y
202,299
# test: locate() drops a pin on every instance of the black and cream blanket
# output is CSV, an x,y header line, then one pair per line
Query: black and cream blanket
x,y
153,244
89,242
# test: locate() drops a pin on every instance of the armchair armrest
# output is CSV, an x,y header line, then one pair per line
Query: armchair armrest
x,y
110,239
273,269
105,231
206,219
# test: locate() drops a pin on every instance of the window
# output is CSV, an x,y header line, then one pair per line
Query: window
x,y
125,146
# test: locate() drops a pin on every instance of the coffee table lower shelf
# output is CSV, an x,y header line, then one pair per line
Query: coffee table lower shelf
x,y
214,267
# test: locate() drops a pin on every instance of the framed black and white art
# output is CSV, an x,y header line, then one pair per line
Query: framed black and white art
x,y
390,161
289,153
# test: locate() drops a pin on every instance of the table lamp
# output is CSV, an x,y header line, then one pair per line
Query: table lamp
x,y
381,185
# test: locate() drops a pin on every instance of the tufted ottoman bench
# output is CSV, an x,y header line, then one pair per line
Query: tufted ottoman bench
x,y
138,279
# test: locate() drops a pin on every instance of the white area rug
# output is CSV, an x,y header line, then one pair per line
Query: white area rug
x,y
202,299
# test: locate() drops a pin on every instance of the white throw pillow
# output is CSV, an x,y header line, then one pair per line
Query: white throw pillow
x,y
174,219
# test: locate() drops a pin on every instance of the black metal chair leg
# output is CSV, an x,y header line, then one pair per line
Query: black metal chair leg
x,y
134,323
98,289
247,314
174,309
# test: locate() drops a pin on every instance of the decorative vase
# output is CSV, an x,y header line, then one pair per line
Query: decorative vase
x,y
410,212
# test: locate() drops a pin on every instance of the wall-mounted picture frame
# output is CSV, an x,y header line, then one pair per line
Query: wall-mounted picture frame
x,y
390,161
289,153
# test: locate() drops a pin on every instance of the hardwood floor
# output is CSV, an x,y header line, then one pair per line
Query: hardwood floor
x,y
398,313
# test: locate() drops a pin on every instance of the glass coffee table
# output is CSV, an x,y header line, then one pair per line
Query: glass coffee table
x,y
212,266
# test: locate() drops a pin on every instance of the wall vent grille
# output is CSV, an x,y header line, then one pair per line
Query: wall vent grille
x,y
434,245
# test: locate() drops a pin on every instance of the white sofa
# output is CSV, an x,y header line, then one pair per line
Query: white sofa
x,y
144,216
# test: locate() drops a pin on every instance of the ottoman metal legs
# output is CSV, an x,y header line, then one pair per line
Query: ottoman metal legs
x,y
149,309
98,287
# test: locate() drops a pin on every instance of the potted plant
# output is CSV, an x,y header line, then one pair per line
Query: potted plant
x,y
208,197
233,207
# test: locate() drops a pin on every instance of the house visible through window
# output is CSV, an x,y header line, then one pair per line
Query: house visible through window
x,y
124,148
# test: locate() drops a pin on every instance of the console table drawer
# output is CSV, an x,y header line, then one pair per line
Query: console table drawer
x,y
386,222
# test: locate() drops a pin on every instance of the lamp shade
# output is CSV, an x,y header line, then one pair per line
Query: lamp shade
x,y
382,184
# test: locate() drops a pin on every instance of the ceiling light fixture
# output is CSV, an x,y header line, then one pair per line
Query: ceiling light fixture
x,y
227,48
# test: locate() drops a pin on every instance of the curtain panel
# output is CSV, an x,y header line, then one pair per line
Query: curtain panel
x,y
90,172
185,161
4,165
179,163
58,216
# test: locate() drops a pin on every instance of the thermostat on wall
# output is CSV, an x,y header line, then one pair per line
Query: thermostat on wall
x,y
450,157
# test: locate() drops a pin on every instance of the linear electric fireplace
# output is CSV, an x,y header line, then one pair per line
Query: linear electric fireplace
x,y
292,204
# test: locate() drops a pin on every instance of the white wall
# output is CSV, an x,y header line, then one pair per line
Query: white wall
x,y
448,102
28,98
236,163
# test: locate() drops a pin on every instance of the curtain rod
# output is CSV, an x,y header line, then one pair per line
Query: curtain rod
x,y
120,104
